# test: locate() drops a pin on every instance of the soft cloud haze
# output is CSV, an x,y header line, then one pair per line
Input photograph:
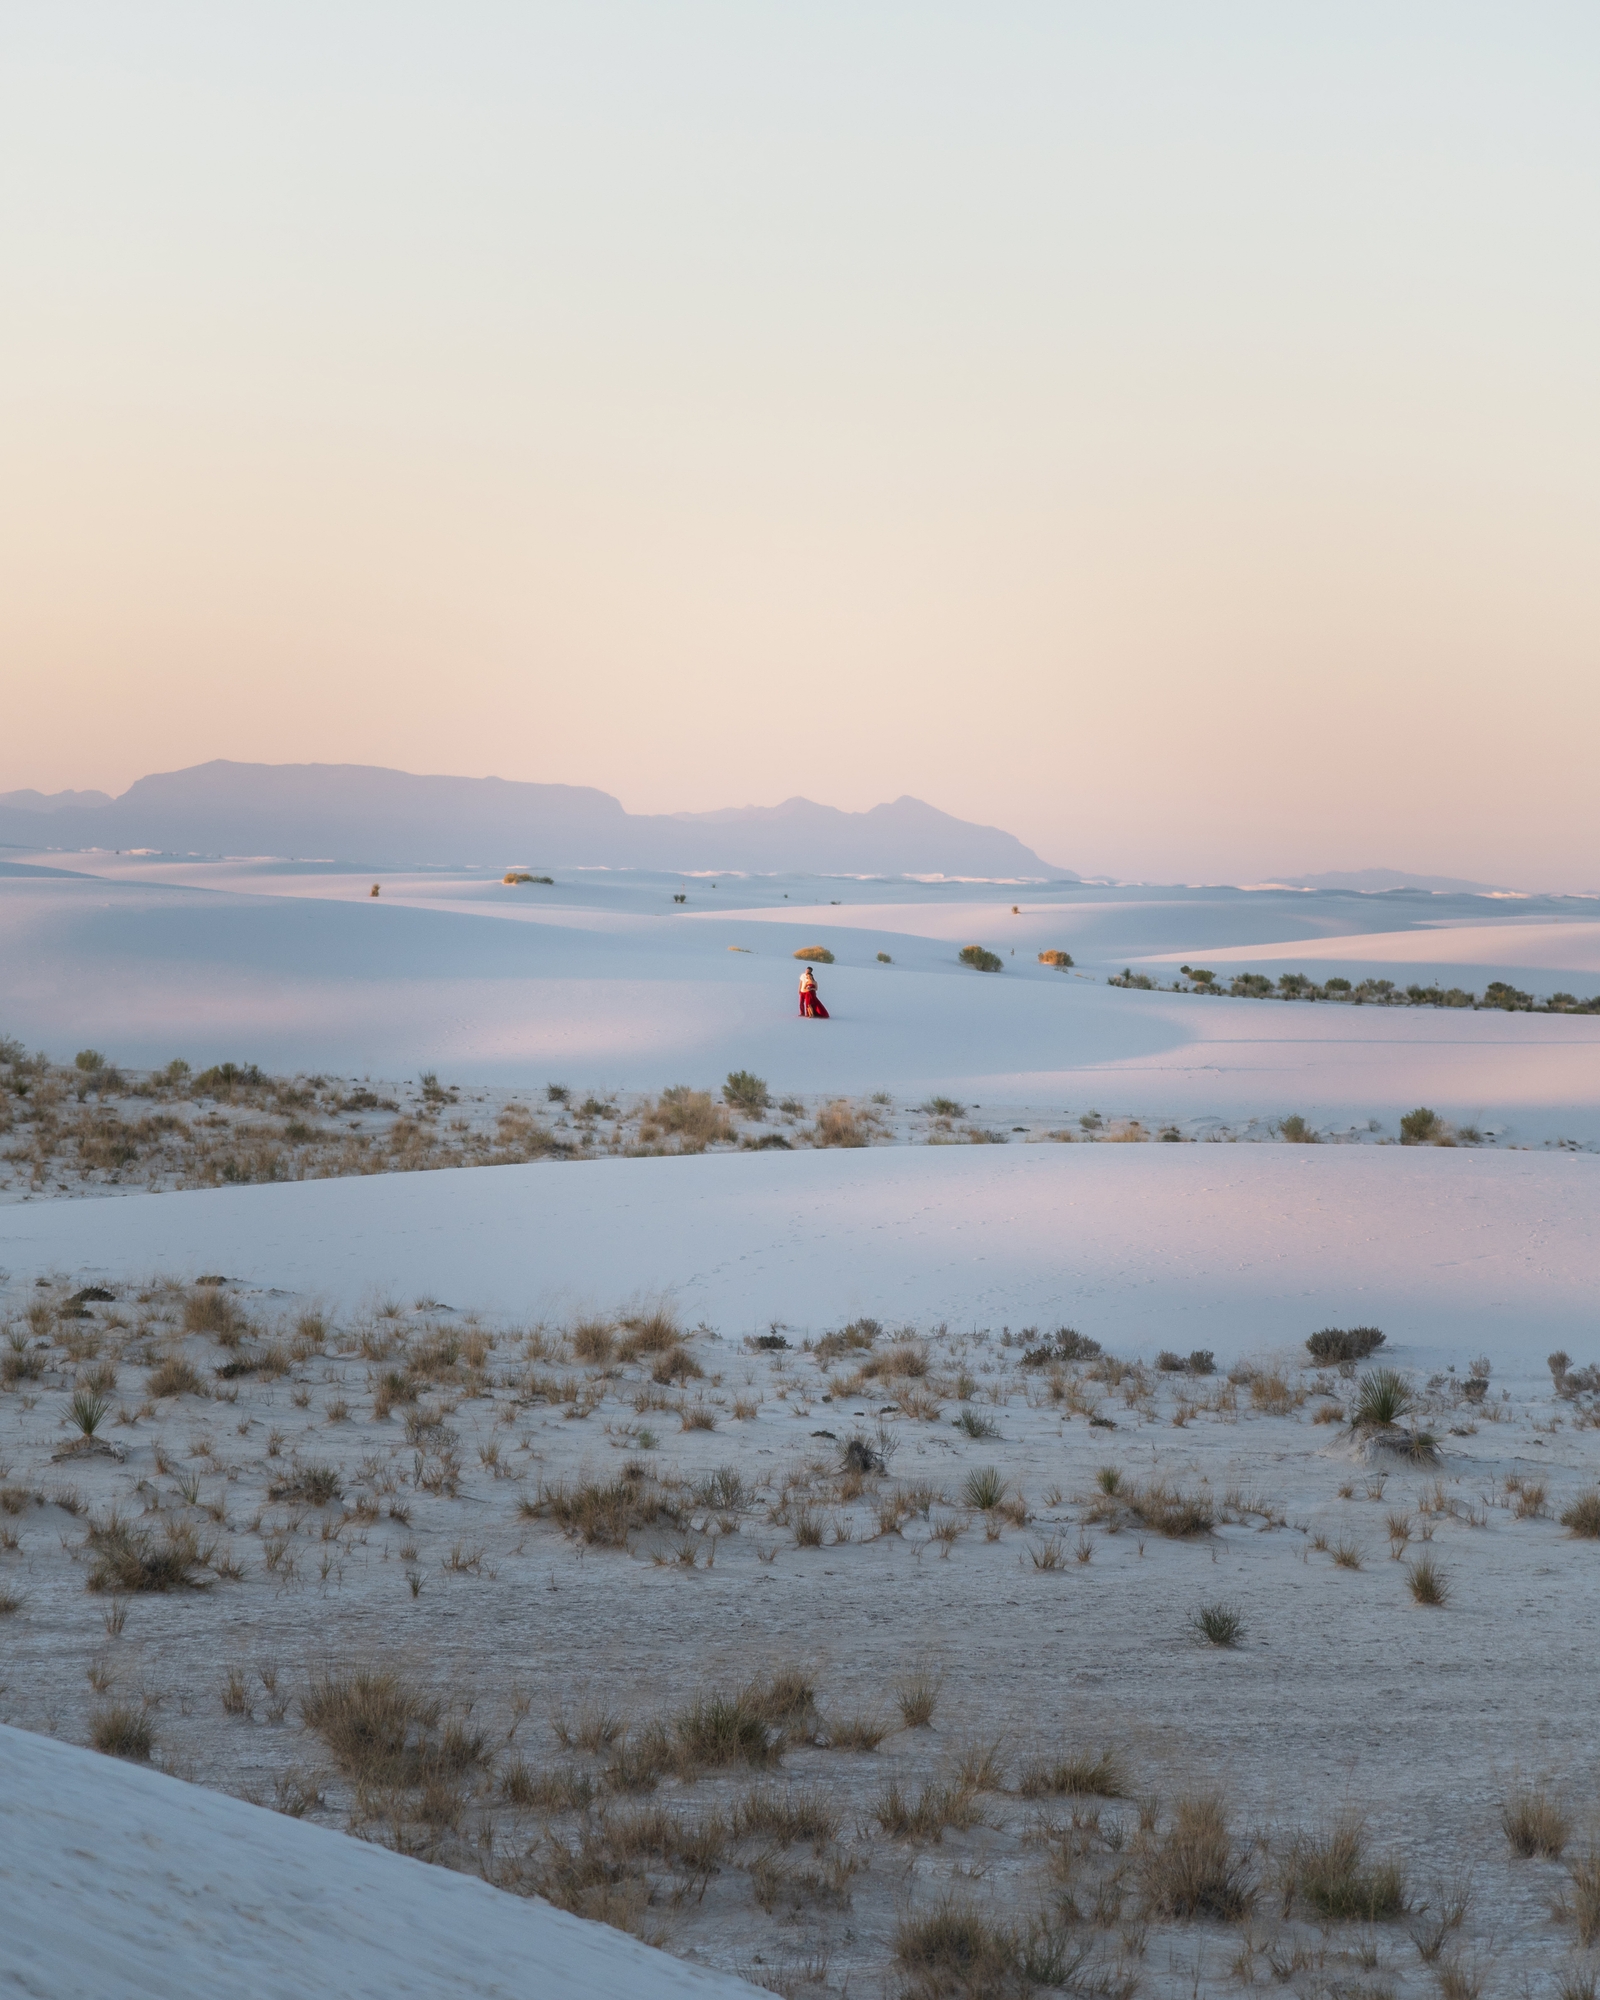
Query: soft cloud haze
x,y
1167,432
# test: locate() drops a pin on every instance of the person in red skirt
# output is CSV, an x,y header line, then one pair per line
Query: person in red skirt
x,y
811,1007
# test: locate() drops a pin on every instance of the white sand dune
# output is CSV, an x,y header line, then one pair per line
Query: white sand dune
x,y
123,1881
1234,1248
605,983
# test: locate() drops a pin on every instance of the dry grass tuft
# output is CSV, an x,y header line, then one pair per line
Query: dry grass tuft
x,y
925,1817
1583,1516
175,1377
1167,1510
1192,1869
916,1696
1536,1823
1332,1875
129,1559
1426,1582
374,1722
593,1340
1078,1775
122,1731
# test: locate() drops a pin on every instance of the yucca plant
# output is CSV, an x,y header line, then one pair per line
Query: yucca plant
x,y
87,1409
985,1489
1383,1396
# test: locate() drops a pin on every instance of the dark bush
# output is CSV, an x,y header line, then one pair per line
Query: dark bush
x,y
979,959
1065,1344
1334,1344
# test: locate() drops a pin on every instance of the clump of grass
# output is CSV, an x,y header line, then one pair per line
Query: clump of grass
x,y
717,1730
916,1697
129,1559
977,1426
1535,1822
175,1377
925,1817
121,1730
1334,1877
315,1485
593,1340
1583,1516
955,1949
1583,1903
1426,1582
785,1817
564,1789
1167,1510
984,1489
372,1720
1192,1869
1077,1775
863,1731
1222,1624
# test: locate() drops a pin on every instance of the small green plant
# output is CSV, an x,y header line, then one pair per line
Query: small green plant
x,y
1109,1479
984,1488
746,1092
976,1426
943,1107
884,958
979,959
1383,1397
1221,1624
88,1060
1420,1127
1294,1131
1426,1582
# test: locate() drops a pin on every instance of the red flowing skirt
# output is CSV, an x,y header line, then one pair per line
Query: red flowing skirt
x,y
812,1008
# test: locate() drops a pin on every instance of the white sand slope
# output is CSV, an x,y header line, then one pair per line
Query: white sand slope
x,y
1235,1248
117,1880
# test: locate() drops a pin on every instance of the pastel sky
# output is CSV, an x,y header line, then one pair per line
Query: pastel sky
x,y
1168,431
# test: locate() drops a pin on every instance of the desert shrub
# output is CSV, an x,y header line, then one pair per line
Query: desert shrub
x,y
1061,959
1535,1822
746,1092
689,1116
976,1426
979,959
984,1488
675,1364
1201,1362
1296,1132
884,958
604,1514
122,1730
1418,1127
1426,1582
175,1377
1334,1877
1191,1869
88,1061
1065,1344
1383,1396
943,1107
1335,1344
841,1124
1583,1516
1222,1624
818,954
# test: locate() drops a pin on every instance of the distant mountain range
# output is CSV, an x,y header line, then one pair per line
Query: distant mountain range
x,y
366,815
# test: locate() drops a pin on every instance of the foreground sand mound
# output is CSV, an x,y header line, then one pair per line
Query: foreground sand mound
x,y
117,1880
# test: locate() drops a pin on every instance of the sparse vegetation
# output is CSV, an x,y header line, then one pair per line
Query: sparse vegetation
x,y
1536,1822
122,1730
980,959
1335,1344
